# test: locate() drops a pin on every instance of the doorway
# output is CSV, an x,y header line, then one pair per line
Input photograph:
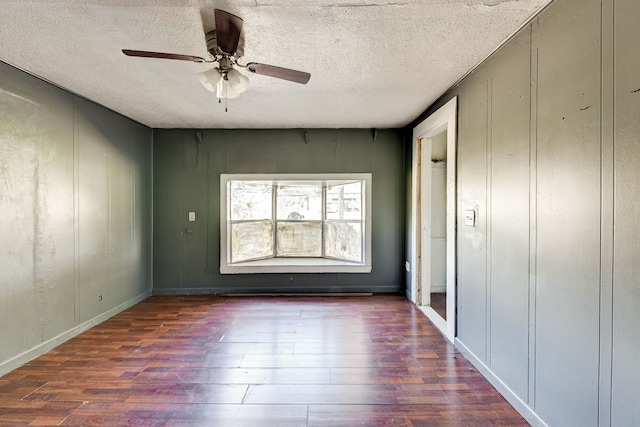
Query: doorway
x,y
434,218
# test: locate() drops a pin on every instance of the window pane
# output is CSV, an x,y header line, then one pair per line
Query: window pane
x,y
296,202
344,201
251,240
299,239
250,200
343,240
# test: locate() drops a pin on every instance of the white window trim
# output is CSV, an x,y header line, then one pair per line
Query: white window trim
x,y
294,265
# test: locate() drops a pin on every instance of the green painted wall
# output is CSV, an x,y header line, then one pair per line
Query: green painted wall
x,y
187,178
75,203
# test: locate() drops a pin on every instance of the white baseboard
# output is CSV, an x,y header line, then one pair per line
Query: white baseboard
x,y
438,288
435,318
40,349
519,405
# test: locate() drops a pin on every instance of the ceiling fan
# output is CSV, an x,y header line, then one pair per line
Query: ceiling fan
x,y
225,45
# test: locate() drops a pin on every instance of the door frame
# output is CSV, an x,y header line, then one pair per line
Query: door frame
x,y
443,119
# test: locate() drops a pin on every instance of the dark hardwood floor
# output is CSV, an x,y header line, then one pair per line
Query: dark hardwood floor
x,y
256,361
439,304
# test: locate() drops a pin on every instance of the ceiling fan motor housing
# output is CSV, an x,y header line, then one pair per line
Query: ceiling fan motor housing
x,y
212,45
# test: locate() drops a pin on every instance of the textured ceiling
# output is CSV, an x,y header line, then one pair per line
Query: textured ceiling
x,y
373,63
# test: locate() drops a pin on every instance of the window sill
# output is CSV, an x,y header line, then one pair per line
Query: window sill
x,y
294,265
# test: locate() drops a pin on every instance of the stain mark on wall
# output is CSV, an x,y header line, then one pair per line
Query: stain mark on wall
x,y
15,95
585,108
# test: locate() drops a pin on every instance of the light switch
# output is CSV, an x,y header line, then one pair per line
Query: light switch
x,y
192,216
470,218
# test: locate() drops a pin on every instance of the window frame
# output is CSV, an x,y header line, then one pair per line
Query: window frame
x,y
295,264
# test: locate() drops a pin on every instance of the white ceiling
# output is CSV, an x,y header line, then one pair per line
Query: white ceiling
x,y
373,63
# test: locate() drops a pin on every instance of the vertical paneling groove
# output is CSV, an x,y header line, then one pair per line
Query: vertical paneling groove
x,y
533,190
151,214
76,214
110,202
488,204
208,249
133,206
607,210
181,212
419,202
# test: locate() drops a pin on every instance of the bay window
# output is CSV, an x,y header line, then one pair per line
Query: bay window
x,y
295,223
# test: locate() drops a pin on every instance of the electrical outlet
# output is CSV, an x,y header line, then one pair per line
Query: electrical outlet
x,y
100,297
192,216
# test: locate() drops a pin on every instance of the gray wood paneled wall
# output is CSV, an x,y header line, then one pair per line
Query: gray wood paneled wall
x,y
549,156
188,164
75,203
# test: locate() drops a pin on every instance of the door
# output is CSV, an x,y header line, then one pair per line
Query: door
x,y
434,218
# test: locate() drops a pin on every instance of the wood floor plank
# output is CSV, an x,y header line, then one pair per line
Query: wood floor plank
x,y
247,361
127,391
296,337
391,375
283,375
167,414
321,394
309,361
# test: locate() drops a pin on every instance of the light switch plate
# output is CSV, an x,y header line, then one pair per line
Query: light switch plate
x,y
470,218
192,216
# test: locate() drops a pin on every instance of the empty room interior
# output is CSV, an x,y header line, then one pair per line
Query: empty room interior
x,y
409,213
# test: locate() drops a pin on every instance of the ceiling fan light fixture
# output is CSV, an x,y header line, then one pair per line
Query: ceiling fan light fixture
x,y
210,78
232,85
225,91
238,81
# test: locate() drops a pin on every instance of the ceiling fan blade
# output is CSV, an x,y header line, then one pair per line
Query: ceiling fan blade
x,y
146,54
228,29
279,72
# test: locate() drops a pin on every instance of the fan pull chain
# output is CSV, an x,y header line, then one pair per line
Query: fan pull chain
x,y
226,104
